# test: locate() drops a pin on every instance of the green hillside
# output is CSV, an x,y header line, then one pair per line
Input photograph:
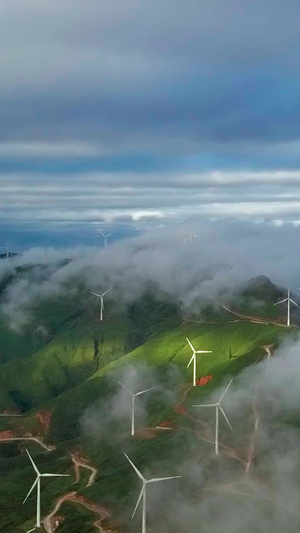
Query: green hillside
x,y
65,386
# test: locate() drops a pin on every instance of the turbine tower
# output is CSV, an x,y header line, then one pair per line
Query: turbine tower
x,y
218,407
143,493
133,403
101,301
289,301
193,358
6,250
37,483
105,238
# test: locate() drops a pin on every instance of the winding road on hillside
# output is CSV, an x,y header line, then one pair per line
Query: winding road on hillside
x,y
80,462
9,414
250,318
38,440
256,415
51,521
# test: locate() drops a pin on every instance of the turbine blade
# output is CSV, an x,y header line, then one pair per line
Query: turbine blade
x,y
55,475
282,301
190,344
205,405
108,235
139,499
224,414
203,351
191,360
95,294
162,479
33,463
294,302
106,291
135,468
222,395
125,388
142,392
102,234
34,484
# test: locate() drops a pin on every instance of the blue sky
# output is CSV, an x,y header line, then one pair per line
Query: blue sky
x,y
118,113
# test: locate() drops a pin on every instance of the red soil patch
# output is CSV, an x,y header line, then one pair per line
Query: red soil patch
x,y
146,433
90,505
8,434
44,418
180,410
204,380
169,425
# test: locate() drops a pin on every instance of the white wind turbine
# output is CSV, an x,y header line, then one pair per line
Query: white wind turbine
x,y
143,491
46,251
218,408
288,300
193,358
105,237
37,483
133,403
101,301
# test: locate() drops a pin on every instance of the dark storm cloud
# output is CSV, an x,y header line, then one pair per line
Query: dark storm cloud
x,y
93,69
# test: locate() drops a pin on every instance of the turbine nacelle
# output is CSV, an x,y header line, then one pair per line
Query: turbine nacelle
x,y
37,483
289,301
133,396
101,300
143,490
217,405
193,359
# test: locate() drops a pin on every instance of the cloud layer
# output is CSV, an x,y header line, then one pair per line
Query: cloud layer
x,y
187,264
152,108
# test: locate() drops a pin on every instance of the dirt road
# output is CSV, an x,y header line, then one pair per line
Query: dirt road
x,y
47,447
79,462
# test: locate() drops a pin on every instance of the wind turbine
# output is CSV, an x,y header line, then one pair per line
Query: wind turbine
x,y
105,238
6,250
143,493
133,402
37,483
194,358
46,251
218,408
288,300
101,302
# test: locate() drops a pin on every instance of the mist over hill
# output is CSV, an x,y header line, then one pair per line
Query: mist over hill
x,y
60,366
188,265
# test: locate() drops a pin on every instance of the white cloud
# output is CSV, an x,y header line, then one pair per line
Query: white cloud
x,y
111,197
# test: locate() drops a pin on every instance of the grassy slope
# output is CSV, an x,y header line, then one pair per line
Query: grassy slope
x,y
78,367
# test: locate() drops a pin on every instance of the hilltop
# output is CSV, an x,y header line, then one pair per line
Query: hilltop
x,y
60,374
